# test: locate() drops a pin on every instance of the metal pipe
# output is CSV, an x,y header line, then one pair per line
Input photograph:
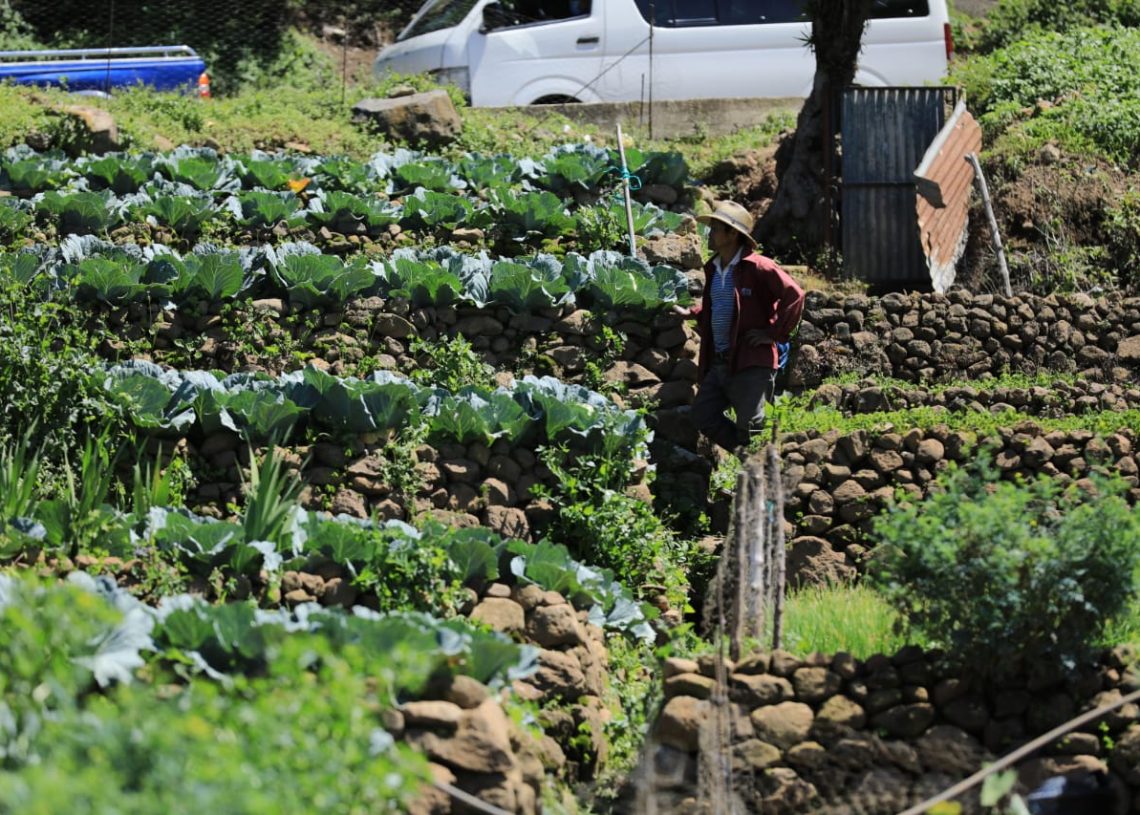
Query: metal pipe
x,y
102,53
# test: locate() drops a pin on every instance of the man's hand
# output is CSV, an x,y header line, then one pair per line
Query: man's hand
x,y
682,311
757,337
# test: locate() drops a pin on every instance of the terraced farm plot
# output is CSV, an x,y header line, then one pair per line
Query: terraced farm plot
x,y
396,456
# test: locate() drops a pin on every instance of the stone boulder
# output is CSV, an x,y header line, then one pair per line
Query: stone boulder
x,y
429,118
97,131
812,562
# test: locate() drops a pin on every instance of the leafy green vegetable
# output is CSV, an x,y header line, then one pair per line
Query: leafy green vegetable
x,y
527,287
344,174
430,210
343,212
201,172
618,281
434,174
33,175
319,280
15,220
577,166
541,213
81,213
212,277
118,173
423,282
269,174
488,172
21,267
476,414
262,209
109,282
184,214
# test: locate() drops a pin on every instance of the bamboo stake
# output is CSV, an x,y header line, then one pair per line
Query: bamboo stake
x,y
777,555
995,235
625,193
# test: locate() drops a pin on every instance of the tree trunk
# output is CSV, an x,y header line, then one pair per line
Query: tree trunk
x,y
800,223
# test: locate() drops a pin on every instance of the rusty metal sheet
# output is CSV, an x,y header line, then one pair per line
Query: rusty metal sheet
x,y
943,181
885,134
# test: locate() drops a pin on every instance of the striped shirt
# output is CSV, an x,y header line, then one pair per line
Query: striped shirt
x,y
723,303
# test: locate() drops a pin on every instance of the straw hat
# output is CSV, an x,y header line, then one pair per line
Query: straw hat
x,y
734,216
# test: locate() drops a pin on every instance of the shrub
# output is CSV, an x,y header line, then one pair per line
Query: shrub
x,y
1123,228
599,523
451,364
1088,76
1015,571
47,362
1013,19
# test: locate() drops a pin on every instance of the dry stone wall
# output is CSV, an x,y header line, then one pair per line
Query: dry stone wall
x,y
460,485
959,336
917,337
836,484
839,734
655,362
1060,399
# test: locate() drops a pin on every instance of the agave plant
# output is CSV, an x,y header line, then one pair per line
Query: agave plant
x,y
271,498
19,477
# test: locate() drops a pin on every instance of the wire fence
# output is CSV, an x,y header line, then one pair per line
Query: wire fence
x,y
243,43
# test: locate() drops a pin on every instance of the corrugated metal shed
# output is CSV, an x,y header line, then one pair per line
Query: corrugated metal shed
x,y
885,134
944,180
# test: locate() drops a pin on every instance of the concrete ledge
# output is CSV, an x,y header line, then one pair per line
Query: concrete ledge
x,y
676,118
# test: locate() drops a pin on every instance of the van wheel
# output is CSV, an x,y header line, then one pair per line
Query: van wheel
x,y
556,99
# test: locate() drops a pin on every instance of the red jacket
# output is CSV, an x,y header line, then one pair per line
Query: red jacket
x,y
766,298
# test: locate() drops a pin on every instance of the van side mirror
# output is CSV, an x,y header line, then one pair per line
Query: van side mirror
x,y
494,16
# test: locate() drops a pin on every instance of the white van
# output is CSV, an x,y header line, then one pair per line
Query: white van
x,y
524,52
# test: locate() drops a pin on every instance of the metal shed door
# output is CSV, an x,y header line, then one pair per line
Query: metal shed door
x,y
885,132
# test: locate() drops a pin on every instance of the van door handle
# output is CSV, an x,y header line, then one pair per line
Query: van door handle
x,y
588,40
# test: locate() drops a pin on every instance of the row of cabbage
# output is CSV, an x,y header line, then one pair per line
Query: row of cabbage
x,y
235,638
504,214
90,269
112,706
429,561
565,170
532,412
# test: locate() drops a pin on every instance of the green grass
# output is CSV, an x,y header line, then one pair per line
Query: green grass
x,y
1125,629
842,617
795,416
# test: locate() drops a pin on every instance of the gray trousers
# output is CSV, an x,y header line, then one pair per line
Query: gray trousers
x,y
746,391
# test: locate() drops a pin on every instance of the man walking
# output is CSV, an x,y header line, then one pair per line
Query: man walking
x,y
750,304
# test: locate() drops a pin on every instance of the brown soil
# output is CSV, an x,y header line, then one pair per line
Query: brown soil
x,y
1063,196
747,177
1054,209
354,61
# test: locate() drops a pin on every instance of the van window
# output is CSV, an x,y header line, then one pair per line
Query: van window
x,y
882,9
522,12
441,14
676,13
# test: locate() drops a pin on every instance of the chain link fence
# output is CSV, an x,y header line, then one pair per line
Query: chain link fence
x,y
244,43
